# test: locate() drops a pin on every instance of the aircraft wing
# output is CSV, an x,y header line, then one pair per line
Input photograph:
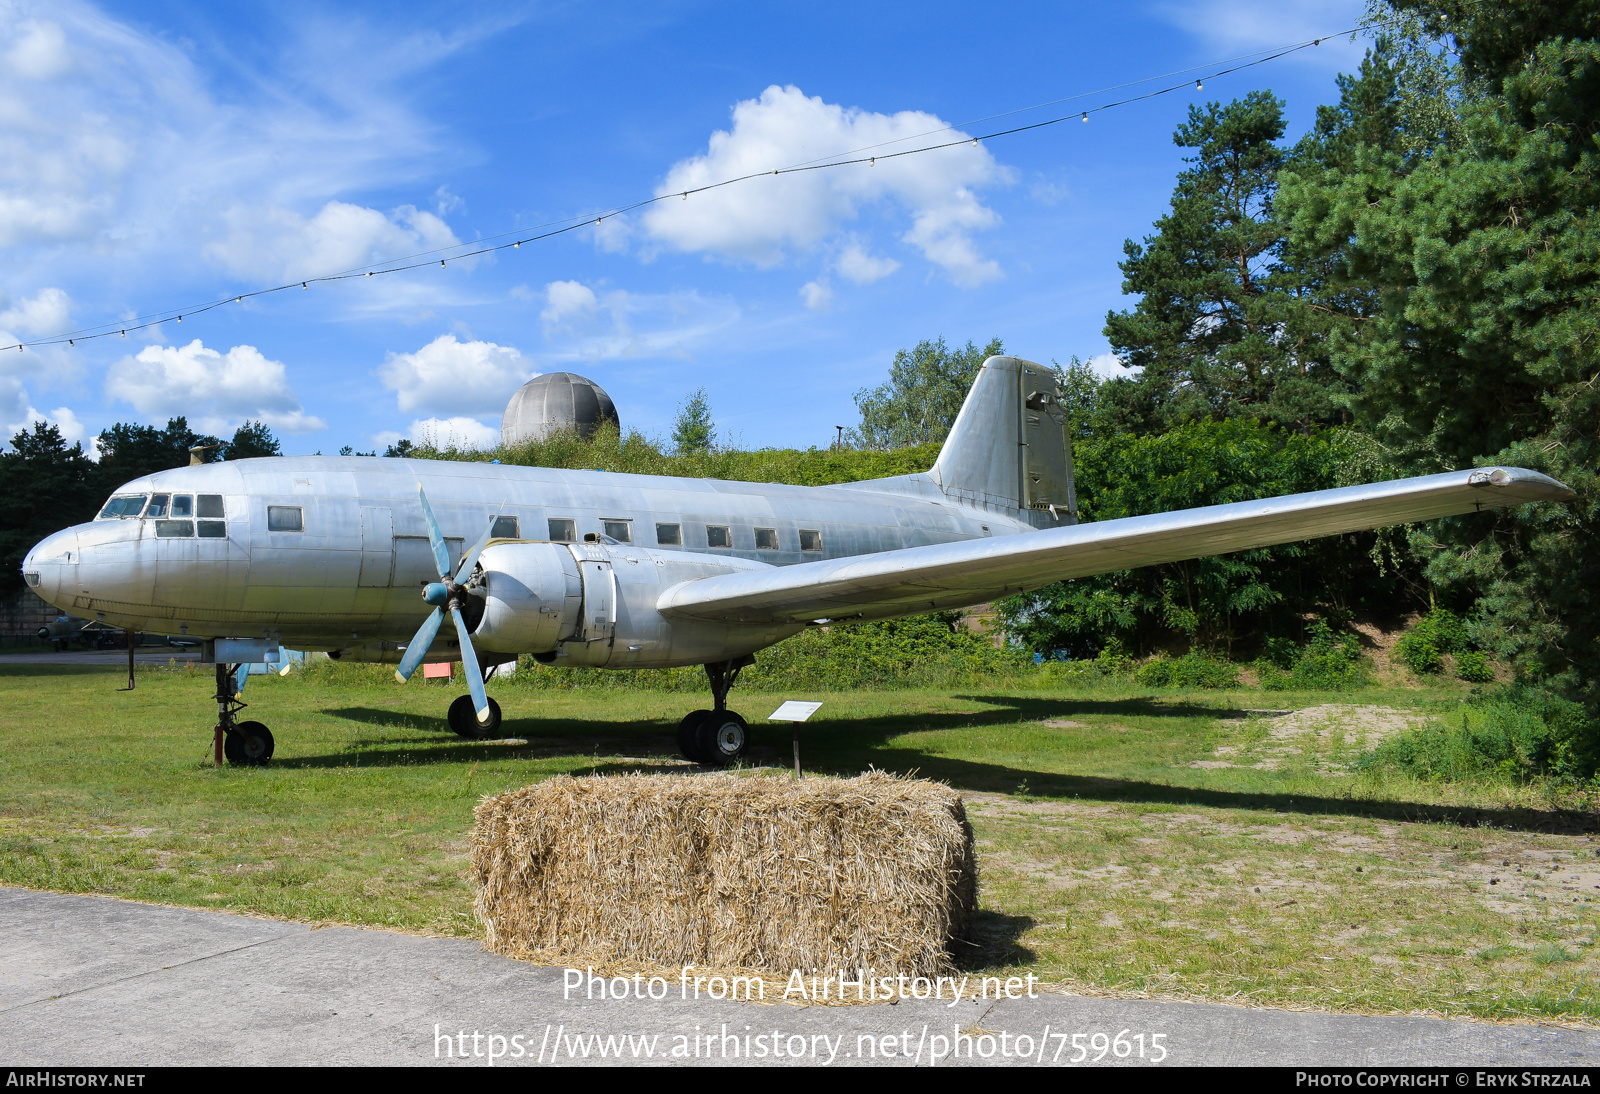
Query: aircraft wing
x,y
954,575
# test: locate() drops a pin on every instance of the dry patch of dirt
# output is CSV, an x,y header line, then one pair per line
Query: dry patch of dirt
x,y
1324,736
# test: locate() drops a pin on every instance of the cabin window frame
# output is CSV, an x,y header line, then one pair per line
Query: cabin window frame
x,y
571,529
771,537
299,512
496,531
727,536
662,531
610,525
816,540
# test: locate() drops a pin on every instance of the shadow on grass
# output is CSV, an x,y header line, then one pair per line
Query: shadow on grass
x,y
848,746
993,942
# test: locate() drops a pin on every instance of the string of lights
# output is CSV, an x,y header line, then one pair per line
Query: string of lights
x,y
855,157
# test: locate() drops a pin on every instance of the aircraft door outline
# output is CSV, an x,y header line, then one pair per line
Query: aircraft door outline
x,y
598,616
377,546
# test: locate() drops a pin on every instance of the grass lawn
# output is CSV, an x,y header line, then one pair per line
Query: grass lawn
x,y
1186,844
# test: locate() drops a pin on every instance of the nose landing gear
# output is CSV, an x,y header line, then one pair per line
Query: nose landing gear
x,y
246,744
716,738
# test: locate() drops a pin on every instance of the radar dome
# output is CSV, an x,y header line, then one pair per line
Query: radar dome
x,y
557,402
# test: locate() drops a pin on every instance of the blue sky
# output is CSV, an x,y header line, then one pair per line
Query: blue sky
x,y
162,154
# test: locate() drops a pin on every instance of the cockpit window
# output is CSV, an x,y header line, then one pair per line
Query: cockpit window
x,y
123,506
183,505
158,505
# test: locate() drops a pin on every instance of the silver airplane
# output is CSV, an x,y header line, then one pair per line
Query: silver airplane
x,y
635,571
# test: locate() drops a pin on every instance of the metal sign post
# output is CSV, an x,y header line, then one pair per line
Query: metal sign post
x,y
794,711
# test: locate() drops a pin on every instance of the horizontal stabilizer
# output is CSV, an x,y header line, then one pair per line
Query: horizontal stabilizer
x,y
957,575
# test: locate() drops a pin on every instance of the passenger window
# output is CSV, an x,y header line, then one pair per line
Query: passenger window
x,y
505,528
123,506
158,505
563,530
213,529
285,518
810,539
210,505
183,505
174,529
669,535
619,530
766,539
717,536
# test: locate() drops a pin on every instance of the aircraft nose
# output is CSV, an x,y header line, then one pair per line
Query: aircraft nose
x,y
48,566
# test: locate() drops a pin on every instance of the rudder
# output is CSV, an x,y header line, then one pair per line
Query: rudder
x,y
1008,449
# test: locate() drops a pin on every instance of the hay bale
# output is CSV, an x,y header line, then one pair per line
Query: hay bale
x,y
728,871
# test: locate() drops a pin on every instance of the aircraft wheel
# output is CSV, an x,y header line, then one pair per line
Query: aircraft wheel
x,y
463,718
721,738
249,745
688,743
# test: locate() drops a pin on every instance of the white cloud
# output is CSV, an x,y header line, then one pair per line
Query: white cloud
x,y
1235,27
599,326
450,377
863,268
1109,366
48,312
136,156
39,51
818,295
460,432
21,416
761,220
568,300
215,390
275,242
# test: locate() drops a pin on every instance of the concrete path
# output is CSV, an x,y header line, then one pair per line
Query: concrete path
x,y
93,981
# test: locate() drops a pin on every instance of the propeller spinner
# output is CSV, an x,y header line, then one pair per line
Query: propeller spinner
x,y
447,595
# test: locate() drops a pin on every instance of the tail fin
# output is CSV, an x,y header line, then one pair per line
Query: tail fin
x,y
1008,450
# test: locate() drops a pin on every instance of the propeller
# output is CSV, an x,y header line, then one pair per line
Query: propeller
x,y
446,596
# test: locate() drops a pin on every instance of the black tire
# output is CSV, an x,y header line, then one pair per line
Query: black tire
x,y
688,735
721,738
249,745
463,718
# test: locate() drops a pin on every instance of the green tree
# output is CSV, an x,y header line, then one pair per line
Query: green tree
x,y
128,451
45,486
919,403
1483,255
1214,603
694,430
250,440
401,448
1211,332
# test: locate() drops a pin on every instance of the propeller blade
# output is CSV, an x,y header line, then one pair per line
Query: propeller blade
x,y
239,677
441,553
469,667
472,556
418,649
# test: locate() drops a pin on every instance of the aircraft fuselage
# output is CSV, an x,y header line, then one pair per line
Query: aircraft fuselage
x,y
330,552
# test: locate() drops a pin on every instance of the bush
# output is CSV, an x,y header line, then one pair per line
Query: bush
x,y
1422,648
1473,667
1516,732
1329,662
1193,670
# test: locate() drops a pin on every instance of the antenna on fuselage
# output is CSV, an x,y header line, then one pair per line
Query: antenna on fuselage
x,y
194,453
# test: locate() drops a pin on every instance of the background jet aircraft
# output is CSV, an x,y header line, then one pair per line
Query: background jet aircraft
x,y
636,571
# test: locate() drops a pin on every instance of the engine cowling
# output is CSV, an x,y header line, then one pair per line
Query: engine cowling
x,y
594,604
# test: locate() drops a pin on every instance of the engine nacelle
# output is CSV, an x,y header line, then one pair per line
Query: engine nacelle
x,y
595,604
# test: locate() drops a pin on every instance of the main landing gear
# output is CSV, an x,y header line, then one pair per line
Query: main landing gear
x,y
246,744
716,738
463,716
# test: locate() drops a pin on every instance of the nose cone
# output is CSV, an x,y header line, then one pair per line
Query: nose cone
x,y
48,568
